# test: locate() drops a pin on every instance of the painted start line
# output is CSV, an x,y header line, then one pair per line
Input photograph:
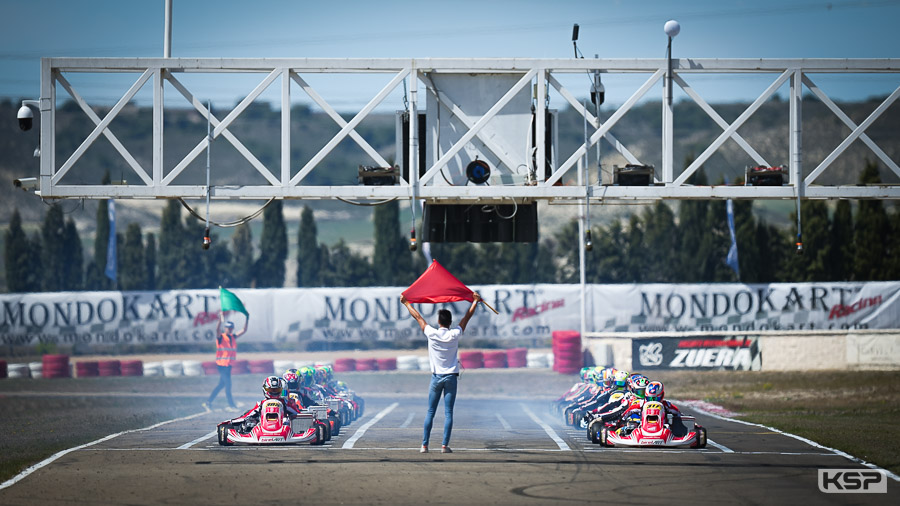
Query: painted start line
x,y
526,427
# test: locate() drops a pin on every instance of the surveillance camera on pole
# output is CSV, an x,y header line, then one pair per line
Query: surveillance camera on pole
x,y
26,117
672,29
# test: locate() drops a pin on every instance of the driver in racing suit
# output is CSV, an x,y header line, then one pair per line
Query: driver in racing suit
x,y
273,388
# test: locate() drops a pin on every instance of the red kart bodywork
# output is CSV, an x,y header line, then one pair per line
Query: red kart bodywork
x,y
273,427
655,430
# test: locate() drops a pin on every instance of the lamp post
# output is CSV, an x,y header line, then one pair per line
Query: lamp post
x,y
672,29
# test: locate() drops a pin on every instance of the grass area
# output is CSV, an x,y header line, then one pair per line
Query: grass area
x,y
852,411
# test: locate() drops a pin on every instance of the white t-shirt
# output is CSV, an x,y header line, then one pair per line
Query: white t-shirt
x,y
443,344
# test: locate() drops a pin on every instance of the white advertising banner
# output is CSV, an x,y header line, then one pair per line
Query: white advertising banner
x,y
375,314
276,315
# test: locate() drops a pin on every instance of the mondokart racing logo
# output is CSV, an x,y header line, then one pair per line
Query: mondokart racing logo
x,y
840,310
651,354
852,481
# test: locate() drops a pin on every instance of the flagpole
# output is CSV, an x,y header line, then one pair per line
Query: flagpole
x,y
488,306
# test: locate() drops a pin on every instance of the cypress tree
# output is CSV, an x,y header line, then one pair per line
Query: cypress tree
x,y
812,264
745,232
347,268
172,270
53,250
659,243
17,257
150,260
35,263
691,231
241,257
95,279
133,262
309,255
635,254
74,268
567,239
610,246
839,262
391,257
871,233
216,266
273,248
714,246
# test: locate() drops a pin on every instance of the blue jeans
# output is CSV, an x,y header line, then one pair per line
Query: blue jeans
x,y
224,382
446,384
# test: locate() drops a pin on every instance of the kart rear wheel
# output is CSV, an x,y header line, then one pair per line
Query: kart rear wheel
x,y
603,437
701,438
594,430
222,433
320,435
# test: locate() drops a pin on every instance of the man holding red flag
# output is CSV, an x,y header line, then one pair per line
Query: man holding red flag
x,y
443,344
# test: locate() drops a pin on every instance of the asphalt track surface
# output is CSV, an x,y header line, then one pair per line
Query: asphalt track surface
x,y
506,451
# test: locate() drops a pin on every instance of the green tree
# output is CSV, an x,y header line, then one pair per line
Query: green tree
x,y
150,260
774,250
132,260
53,250
18,258
347,268
659,244
216,265
242,257
691,230
390,250
74,268
635,254
94,278
273,248
309,255
871,233
745,232
839,262
610,244
714,246
172,270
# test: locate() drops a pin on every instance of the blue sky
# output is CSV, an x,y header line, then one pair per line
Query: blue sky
x,y
30,29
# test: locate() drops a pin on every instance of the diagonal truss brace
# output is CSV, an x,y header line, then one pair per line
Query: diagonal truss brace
x,y
604,129
857,131
102,126
221,128
730,131
618,146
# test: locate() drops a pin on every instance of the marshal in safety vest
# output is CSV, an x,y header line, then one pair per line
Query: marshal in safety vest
x,y
226,349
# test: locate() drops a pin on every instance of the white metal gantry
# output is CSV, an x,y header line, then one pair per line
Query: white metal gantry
x,y
287,181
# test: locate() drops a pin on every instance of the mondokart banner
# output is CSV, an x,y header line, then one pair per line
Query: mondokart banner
x,y
737,307
275,315
526,312
701,352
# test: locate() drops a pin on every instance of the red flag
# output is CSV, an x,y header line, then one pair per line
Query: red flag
x,y
437,285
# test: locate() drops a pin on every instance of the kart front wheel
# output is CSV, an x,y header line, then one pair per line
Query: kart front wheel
x,y
604,437
222,433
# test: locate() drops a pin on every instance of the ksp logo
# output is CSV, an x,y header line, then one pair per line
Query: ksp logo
x,y
651,354
852,481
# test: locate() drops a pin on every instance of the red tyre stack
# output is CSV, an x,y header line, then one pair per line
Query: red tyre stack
x,y
367,364
471,359
345,365
56,366
3,372
266,367
209,368
109,368
495,359
132,368
567,355
517,357
240,367
387,364
87,369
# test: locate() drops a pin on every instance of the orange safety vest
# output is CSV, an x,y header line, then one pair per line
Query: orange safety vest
x,y
226,349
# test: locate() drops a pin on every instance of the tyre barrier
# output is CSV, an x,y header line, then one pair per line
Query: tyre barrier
x,y
36,369
568,356
209,368
266,367
109,368
55,366
345,365
471,359
192,368
408,363
387,364
172,368
87,369
240,367
425,363
132,368
18,371
3,372
537,360
300,364
153,369
367,364
517,357
495,360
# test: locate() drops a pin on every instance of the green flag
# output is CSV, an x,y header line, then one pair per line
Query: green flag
x,y
229,302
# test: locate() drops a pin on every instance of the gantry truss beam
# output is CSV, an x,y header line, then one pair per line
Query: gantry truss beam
x,y
156,180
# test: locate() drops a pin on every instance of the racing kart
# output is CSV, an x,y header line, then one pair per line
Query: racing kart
x,y
273,425
655,428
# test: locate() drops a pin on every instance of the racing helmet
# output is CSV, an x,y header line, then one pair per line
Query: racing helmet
x,y
307,374
290,377
585,373
638,386
606,378
621,379
340,385
654,391
319,374
329,373
273,387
